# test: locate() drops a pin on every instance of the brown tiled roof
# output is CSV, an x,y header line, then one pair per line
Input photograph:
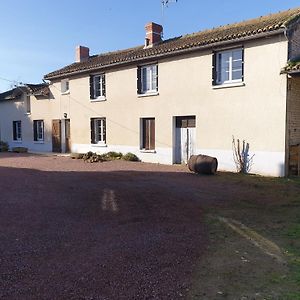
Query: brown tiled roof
x,y
41,89
35,89
255,28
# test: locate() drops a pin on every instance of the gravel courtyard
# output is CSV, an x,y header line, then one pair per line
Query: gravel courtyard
x,y
124,230
113,230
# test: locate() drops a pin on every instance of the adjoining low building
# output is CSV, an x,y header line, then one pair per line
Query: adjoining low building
x,y
166,100
26,118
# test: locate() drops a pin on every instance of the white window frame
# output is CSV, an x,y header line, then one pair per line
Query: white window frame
x,y
18,125
101,90
153,78
218,66
65,86
100,131
40,130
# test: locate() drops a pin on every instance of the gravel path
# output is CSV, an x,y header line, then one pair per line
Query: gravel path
x,y
115,230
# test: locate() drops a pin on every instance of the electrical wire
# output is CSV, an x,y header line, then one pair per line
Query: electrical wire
x,y
90,109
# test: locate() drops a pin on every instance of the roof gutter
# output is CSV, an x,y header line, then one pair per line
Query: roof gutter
x,y
173,53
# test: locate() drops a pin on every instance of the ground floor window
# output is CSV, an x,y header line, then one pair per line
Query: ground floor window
x,y
17,131
148,133
98,131
38,130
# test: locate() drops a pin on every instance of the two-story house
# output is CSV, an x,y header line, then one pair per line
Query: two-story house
x,y
168,99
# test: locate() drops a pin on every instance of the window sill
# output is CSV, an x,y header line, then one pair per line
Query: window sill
x,y
65,93
148,94
99,99
99,145
17,142
147,151
38,142
228,85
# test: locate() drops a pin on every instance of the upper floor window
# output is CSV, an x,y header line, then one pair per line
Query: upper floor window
x,y
38,130
148,79
98,130
228,66
17,131
97,87
65,87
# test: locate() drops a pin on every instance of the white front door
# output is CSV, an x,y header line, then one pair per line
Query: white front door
x,y
185,139
187,143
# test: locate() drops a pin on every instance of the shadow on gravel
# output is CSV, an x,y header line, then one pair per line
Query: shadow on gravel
x,y
98,235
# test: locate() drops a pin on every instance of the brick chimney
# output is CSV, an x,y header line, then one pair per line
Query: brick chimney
x,y
153,34
82,54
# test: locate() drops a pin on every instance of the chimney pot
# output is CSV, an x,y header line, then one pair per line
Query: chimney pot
x,y
153,34
82,54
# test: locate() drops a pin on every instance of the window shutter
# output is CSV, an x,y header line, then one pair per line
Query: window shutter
x,y
138,79
104,130
103,86
43,129
92,87
145,142
157,78
152,134
93,140
14,130
35,130
243,63
214,68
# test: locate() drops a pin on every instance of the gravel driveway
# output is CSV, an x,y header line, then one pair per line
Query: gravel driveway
x,y
113,230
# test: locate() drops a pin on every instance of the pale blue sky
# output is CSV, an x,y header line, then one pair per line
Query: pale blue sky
x,y
37,37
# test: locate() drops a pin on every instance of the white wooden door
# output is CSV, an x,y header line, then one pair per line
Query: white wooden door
x,y
187,146
185,139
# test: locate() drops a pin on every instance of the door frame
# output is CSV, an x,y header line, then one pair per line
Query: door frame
x,y
175,126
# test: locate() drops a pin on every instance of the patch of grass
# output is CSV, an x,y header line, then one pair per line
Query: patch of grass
x,y
294,231
270,206
293,296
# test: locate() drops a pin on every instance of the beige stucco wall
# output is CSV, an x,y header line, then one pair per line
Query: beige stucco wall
x,y
15,110
255,112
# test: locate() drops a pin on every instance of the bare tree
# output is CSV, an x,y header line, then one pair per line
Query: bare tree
x,y
241,156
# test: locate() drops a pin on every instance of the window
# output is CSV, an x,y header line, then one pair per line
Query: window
x,y
228,66
38,130
28,104
97,87
148,134
147,79
98,131
65,88
17,131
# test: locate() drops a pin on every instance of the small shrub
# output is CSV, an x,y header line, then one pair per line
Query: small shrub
x,y
130,157
76,155
95,158
242,159
112,155
87,155
92,157
4,146
19,149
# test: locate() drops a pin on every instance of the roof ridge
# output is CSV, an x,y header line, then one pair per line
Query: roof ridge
x,y
273,23
248,21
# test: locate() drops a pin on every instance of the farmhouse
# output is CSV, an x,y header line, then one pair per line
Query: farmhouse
x,y
168,99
